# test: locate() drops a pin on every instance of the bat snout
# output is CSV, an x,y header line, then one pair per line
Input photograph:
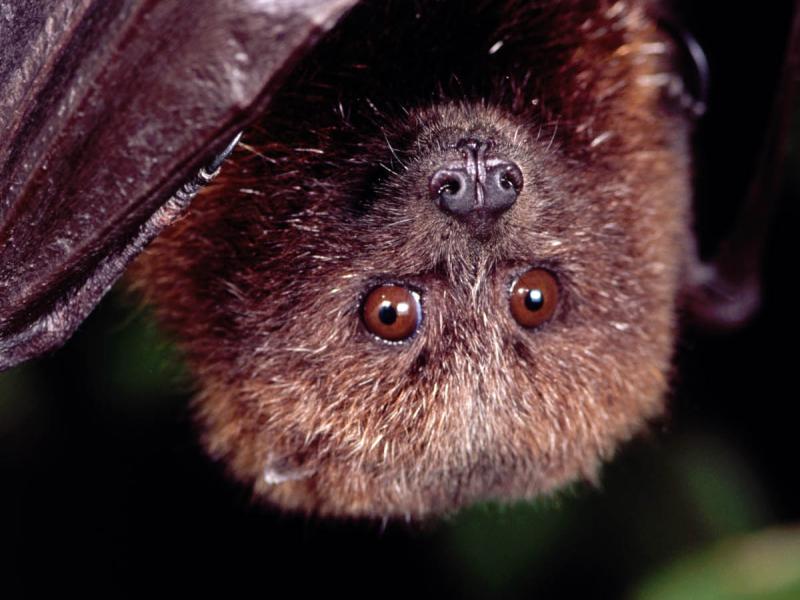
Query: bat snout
x,y
478,187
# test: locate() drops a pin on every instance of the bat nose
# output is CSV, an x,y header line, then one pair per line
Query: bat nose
x,y
477,187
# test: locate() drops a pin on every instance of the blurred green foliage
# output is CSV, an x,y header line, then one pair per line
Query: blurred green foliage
x,y
139,365
761,566
131,366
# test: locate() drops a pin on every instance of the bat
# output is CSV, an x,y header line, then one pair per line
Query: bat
x,y
445,263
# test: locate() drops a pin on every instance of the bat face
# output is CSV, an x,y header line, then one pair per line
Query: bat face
x,y
445,265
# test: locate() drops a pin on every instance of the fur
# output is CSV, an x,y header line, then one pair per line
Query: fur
x,y
262,281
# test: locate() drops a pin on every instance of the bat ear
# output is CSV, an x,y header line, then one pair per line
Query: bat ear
x,y
108,115
690,89
741,154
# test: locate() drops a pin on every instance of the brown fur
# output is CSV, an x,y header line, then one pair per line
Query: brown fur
x,y
263,279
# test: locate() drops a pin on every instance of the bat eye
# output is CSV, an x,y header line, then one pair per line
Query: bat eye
x,y
534,297
392,312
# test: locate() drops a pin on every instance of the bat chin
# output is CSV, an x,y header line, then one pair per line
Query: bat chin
x,y
348,492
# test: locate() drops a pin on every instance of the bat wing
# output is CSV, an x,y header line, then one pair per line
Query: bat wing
x,y
107,109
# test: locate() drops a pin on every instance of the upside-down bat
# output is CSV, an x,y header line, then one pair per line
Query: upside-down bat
x,y
445,262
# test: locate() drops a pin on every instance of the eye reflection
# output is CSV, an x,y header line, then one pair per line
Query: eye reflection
x,y
534,300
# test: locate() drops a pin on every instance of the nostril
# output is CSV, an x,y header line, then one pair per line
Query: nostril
x,y
446,181
503,185
449,190
509,176
450,186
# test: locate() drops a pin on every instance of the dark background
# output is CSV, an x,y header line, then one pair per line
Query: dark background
x,y
103,488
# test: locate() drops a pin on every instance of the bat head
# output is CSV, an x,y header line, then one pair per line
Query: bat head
x,y
439,271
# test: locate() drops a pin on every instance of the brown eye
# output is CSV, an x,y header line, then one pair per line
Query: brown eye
x,y
534,297
392,312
